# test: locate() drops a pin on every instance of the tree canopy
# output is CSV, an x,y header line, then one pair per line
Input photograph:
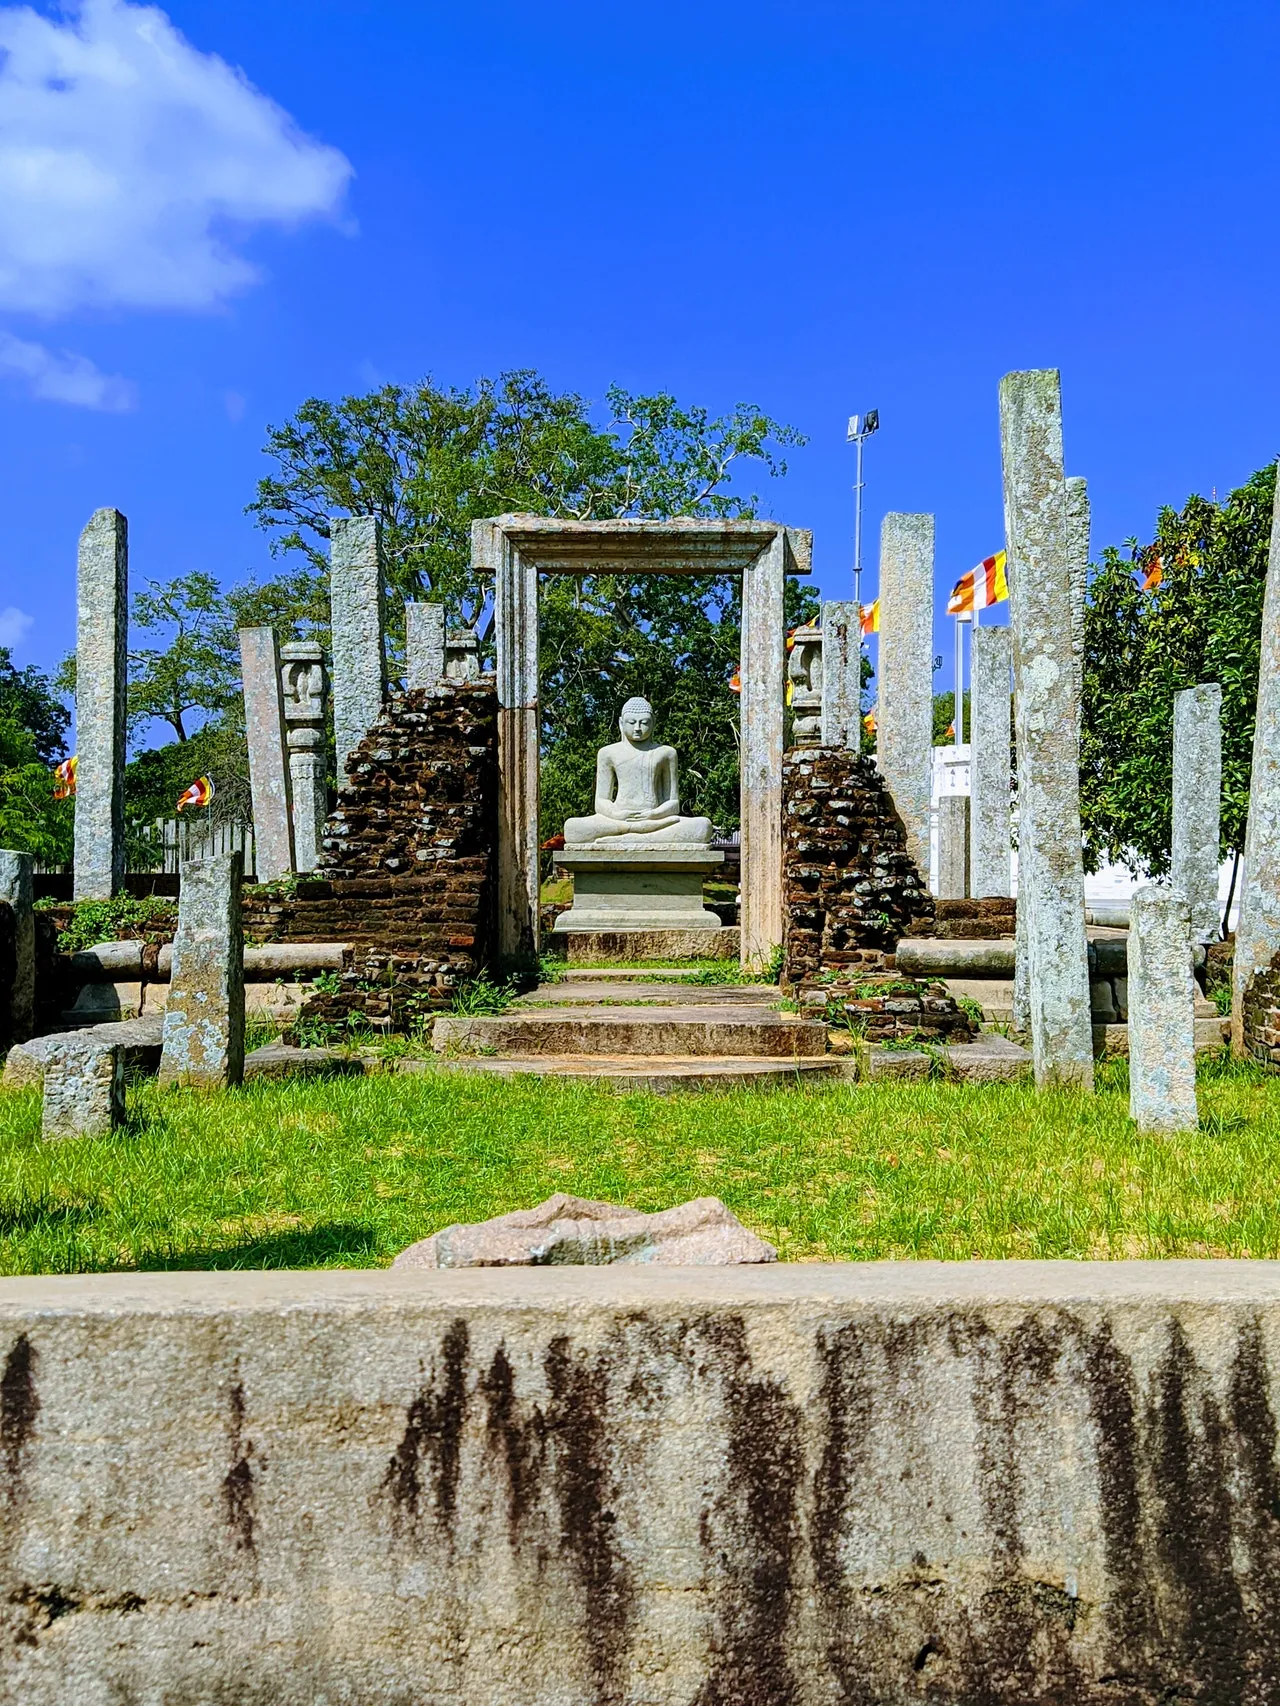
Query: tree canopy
x,y
33,729
1199,622
429,461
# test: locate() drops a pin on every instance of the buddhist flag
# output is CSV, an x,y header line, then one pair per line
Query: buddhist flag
x,y
869,722
982,587
1154,574
735,681
871,618
64,779
199,793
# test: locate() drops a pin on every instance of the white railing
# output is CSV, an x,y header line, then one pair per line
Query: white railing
x,y
179,838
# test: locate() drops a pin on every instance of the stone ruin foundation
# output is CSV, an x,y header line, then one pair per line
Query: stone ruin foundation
x,y
407,873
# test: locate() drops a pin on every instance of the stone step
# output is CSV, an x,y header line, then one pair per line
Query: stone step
x,y
628,992
719,1029
593,974
658,1073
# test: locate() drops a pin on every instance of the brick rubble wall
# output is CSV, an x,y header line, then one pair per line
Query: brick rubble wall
x,y
409,874
975,920
1262,1017
851,889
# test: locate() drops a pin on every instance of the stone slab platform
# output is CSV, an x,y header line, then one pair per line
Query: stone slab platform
x,y
566,1485
719,1029
614,990
596,947
660,1074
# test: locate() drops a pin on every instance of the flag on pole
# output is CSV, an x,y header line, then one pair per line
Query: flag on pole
x,y
982,587
1155,572
869,722
735,681
199,793
871,618
64,779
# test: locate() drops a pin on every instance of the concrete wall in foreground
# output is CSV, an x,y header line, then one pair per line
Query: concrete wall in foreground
x,y
1004,1483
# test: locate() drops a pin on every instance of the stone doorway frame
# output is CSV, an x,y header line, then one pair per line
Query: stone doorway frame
x,y
515,550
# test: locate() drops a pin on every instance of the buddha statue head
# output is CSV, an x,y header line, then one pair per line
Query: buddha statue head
x,y
636,721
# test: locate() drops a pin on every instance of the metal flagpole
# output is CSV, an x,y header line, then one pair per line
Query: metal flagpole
x,y
860,429
958,719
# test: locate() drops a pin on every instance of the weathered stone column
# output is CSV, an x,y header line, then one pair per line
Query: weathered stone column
x,y
17,1024
356,616
204,1017
83,1089
1162,1025
1258,925
904,728
842,675
1050,859
102,638
268,755
1078,530
515,629
1197,804
990,771
953,847
423,644
764,666
302,682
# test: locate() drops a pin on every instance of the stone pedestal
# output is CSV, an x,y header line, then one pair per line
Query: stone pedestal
x,y
638,888
302,681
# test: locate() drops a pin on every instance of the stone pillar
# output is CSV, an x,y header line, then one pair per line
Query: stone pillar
x,y
18,1025
1258,925
842,675
804,681
990,771
303,685
102,637
515,628
953,847
83,1089
1050,859
764,655
423,644
1197,804
203,1044
356,617
1078,529
462,655
1162,1025
268,754
904,726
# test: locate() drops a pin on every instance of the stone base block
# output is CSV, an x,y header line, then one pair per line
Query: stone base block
x,y
600,947
1112,1041
638,888
83,1089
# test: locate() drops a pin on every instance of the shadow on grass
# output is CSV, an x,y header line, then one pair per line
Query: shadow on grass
x,y
302,1247
26,1213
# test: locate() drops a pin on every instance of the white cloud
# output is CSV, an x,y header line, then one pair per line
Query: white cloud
x,y
15,625
132,164
64,378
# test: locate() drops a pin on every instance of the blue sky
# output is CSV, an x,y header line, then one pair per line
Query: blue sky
x,y
817,208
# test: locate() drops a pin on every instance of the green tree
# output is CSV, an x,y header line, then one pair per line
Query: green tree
x,y
429,461
1201,623
33,728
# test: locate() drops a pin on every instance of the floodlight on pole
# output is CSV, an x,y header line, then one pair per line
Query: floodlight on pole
x,y
860,429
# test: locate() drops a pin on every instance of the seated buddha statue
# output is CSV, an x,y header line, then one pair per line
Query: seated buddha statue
x,y
637,797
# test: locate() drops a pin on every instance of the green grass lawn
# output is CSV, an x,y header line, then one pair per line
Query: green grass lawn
x,y
345,1172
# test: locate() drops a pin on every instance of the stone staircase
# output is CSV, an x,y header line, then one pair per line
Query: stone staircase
x,y
633,1034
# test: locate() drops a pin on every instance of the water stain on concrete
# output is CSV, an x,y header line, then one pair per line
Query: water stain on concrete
x,y
19,1407
433,1433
